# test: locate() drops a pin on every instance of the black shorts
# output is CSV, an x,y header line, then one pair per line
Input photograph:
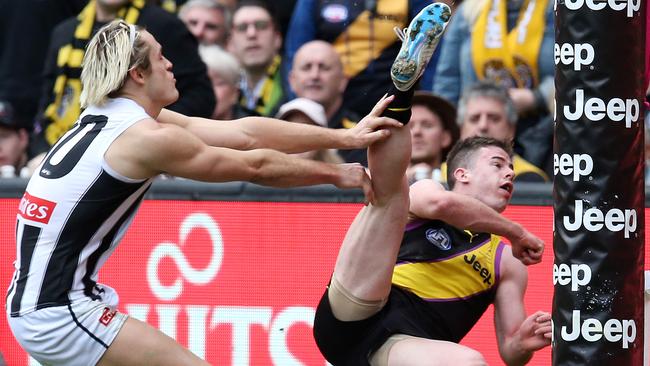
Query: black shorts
x,y
351,343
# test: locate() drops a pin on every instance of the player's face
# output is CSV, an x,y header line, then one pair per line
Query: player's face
x,y
160,81
491,177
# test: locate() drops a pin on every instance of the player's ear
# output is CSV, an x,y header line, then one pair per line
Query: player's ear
x,y
461,175
137,75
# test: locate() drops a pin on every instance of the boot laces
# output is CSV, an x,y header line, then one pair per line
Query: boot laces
x,y
400,33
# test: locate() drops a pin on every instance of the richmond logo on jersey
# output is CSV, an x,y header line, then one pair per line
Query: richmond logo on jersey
x,y
36,209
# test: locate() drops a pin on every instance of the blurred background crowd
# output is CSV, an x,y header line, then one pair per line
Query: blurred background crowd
x,y
303,61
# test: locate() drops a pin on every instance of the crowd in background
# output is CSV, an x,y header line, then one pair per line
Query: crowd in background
x,y
303,61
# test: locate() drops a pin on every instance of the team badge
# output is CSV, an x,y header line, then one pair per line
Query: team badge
x,y
439,238
335,13
107,316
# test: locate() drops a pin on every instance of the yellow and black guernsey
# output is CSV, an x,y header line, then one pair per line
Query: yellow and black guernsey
x,y
455,272
444,280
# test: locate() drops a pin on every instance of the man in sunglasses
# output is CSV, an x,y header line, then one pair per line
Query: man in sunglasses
x,y
256,41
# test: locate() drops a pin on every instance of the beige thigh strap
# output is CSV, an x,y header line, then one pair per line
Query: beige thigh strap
x,y
347,307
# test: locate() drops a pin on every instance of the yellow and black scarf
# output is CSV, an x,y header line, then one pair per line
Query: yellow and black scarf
x,y
509,59
271,92
65,109
169,5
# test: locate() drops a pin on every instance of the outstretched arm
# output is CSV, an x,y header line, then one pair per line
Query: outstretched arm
x,y
148,148
262,132
430,200
518,336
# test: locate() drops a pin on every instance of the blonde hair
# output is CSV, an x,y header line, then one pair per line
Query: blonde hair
x,y
111,53
222,62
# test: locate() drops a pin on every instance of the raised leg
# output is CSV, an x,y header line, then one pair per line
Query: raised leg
x,y
363,272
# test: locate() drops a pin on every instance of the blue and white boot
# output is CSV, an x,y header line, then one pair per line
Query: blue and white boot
x,y
419,41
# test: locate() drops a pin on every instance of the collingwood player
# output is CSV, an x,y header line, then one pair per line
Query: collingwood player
x,y
85,193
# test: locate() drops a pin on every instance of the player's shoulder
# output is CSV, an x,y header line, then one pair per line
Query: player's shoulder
x,y
510,266
151,142
154,131
427,185
427,192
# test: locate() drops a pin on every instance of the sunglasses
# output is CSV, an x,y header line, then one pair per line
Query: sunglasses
x,y
259,25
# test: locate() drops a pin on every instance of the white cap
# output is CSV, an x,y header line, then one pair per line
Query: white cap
x,y
25,172
7,171
308,107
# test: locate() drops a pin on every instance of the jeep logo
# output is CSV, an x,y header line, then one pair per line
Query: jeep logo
x,y
476,265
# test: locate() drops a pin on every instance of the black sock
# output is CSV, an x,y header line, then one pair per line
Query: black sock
x,y
400,107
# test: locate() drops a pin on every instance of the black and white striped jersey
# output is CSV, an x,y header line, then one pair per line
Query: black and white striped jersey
x,y
73,214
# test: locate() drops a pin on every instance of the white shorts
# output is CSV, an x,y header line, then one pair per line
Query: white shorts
x,y
76,334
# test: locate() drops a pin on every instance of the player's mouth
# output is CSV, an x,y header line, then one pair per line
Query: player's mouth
x,y
508,187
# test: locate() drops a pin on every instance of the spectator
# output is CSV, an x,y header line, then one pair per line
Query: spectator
x,y
303,110
28,22
433,132
523,64
255,40
362,34
225,74
13,143
284,10
486,110
317,74
60,99
207,20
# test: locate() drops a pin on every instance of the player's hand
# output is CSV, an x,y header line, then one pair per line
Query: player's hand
x,y
535,332
354,175
371,128
528,248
